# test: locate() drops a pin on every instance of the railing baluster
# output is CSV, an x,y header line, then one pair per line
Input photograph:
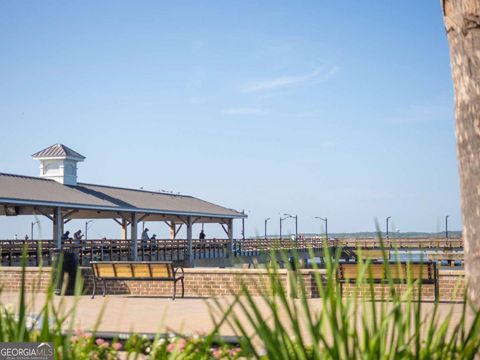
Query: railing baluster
x,y
177,247
10,254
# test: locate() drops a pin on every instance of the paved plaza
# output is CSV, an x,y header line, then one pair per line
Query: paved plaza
x,y
123,313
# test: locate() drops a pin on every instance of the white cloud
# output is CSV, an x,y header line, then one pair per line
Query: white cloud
x,y
244,111
318,75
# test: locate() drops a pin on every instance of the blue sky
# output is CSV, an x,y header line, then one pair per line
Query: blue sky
x,y
338,109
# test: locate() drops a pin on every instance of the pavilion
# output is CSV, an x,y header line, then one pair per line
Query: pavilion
x,y
57,195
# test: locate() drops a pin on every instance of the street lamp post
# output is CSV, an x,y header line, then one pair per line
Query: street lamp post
x,y
287,216
446,227
281,219
325,219
388,218
31,228
243,225
296,229
86,228
266,221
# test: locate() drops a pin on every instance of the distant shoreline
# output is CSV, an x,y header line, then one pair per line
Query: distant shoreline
x,y
374,234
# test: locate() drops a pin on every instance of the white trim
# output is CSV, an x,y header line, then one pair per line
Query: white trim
x,y
61,157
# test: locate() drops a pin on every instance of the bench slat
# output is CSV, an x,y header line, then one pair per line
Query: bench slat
x,y
161,270
141,270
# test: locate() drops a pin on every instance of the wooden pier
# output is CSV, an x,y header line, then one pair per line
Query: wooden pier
x,y
43,251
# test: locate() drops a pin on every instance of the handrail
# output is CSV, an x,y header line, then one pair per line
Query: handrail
x,y
40,251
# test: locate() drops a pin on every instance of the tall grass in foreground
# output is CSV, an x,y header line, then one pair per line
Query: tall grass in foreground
x,y
279,324
55,320
392,326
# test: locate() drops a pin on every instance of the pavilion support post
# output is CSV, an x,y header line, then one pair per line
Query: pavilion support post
x,y
173,230
230,238
58,228
190,242
124,229
133,238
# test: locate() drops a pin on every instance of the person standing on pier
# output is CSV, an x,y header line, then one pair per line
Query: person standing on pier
x,y
201,236
145,234
78,235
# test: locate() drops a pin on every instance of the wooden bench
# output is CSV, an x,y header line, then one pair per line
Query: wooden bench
x,y
137,270
424,273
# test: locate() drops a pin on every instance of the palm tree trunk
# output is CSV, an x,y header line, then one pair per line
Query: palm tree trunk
x,y
462,23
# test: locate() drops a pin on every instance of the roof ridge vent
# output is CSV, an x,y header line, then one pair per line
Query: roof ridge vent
x,y
58,162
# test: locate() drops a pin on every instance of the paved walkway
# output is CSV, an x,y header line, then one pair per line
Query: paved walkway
x,y
123,313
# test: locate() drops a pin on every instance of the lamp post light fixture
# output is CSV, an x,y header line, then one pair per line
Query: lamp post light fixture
x,y
446,227
243,226
288,216
325,219
281,219
86,228
243,223
266,221
388,218
31,228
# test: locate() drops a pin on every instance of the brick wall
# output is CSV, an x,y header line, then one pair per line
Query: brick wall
x,y
206,282
451,286
36,279
198,282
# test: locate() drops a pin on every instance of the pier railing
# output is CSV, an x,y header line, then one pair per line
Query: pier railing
x,y
42,251
400,243
318,242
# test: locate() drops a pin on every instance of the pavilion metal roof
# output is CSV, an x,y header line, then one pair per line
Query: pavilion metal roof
x,y
34,191
57,151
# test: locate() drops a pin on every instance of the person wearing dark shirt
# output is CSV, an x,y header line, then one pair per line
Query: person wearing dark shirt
x,y
202,235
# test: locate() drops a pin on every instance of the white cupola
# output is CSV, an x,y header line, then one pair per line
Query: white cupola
x,y
58,162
